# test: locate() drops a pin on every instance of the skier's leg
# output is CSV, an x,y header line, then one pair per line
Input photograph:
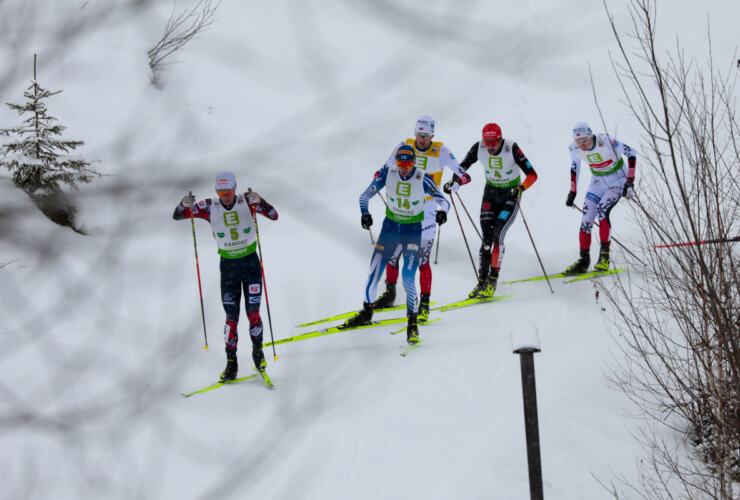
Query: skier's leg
x,y
230,298
410,263
253,298
593,196
385,248
608,201
501,225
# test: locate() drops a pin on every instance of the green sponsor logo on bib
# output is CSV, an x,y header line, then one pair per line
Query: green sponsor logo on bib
x,y
403,188
231,218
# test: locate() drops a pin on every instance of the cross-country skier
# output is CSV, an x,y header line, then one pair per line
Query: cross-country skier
x,y
610,180
503,162
231,217
407,188
431,157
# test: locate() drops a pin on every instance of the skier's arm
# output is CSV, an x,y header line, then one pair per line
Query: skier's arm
x,y
375,186
447,159
201,210
257,204
471,157
623,149
575,167
430,188
526,167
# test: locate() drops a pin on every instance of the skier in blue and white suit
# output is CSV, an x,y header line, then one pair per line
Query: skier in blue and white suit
x,y
406,188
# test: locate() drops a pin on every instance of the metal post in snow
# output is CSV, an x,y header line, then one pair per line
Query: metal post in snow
x,y
525,343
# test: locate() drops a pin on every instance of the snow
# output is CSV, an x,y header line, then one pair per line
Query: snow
x,y
304,101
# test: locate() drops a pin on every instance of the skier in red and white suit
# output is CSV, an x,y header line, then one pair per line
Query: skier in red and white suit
x,y
610,180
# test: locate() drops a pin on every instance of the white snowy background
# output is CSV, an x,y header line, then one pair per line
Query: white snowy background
x,y
304,101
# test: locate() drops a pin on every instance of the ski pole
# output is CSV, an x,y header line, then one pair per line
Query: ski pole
x,y
469,217
197,268
372,240
464,238
703,242
439,232
264,281
533,245
381,197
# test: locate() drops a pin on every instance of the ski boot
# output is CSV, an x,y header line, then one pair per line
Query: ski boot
x,y
603,262
412,330
580,266
232,367
424,307
361,318
493,281
388,298
483,290
258,357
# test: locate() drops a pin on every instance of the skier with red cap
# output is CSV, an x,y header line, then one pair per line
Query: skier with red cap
x,y
503,163
231,218
611,180
431,157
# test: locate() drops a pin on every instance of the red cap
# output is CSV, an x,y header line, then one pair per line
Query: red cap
x,y
491,132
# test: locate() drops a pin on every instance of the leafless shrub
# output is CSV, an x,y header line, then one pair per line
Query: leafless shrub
x,y
178,31
679,323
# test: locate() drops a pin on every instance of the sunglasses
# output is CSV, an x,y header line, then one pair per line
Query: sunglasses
x,y
491,141
404,164
222,194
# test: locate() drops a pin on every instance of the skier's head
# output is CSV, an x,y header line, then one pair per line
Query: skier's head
x,y
582,135
424,131
226,187
492,136
405,158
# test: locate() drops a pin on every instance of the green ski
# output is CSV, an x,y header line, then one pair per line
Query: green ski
x,y
577,277
470,302
216,386
265,377
349,314
335,329
410,348
594,274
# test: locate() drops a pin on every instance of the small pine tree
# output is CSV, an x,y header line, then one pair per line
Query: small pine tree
x,y
39,162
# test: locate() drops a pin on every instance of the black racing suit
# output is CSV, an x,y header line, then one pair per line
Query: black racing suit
x,y
498,210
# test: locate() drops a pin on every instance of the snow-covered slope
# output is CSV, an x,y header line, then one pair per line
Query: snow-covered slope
x,y
304,101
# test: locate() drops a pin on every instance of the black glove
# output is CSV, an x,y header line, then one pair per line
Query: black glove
x,y
518,190
441,217
628,190
366,221
571,199
451,187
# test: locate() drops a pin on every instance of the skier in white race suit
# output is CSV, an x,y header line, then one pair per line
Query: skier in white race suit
x,y
611,179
